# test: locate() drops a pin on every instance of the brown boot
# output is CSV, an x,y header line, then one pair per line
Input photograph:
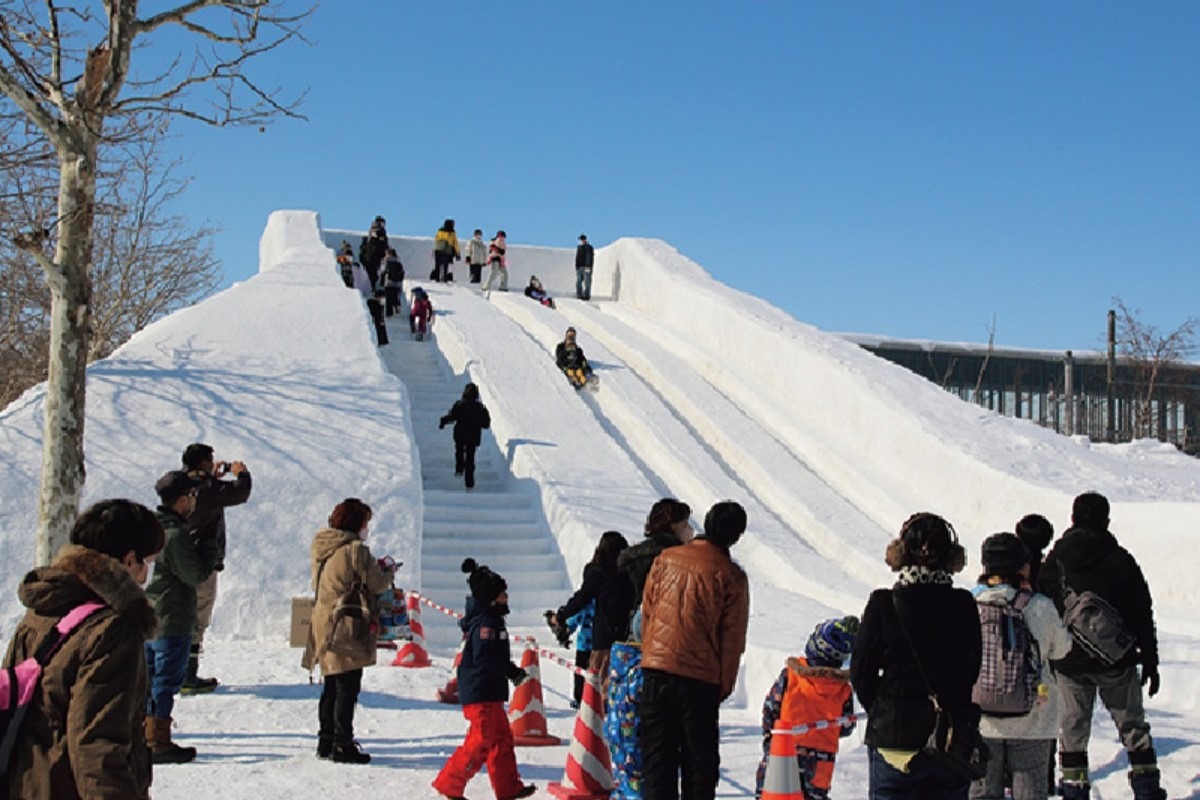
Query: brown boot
x,y
162,749
151,733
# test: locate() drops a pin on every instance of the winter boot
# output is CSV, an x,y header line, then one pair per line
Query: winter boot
x,y
1144,782
324,747
349,754
162,749
193,684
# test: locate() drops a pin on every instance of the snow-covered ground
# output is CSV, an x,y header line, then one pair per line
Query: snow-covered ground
x,y
706,393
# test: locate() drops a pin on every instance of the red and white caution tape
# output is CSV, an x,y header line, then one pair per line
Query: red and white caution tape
x,y
827,723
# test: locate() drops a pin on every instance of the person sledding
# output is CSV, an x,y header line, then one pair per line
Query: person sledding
x,y
535,291
574,364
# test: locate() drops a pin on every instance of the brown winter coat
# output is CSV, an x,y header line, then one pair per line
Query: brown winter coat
x,y
695,609
83,736
346,558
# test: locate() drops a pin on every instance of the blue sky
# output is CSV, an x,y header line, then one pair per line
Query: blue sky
x,y
908,169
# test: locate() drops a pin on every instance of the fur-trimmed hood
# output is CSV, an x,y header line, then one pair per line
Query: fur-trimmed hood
x,y
79,575
802,668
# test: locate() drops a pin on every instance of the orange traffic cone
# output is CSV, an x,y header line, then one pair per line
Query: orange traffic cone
x,y
449,692
526,711
782,781
588,775
413,653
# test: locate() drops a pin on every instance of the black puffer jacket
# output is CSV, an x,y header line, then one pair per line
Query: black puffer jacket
x,y
944,623
1094,561
470,417
614,604
635,562
216,495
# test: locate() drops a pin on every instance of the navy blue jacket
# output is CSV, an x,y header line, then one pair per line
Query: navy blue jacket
x,y
486,666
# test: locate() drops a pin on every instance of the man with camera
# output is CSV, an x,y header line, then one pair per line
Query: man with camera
x,y
207,523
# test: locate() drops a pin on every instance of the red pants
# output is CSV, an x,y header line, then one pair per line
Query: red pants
x,y
489,740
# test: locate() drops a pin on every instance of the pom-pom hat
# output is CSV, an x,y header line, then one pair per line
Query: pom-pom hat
x,y
831,642
485,585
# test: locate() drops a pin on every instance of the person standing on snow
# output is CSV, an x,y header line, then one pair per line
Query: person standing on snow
x,y
695,610
393,276
613,598
1088,558
420,313
445,252
585,258
208,522
341,560
1020,745
668,524
810,689
184,564
477,251
84,731
483,676
470,417
497,262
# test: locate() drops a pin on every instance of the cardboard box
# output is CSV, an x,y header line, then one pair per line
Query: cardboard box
x,y
301,620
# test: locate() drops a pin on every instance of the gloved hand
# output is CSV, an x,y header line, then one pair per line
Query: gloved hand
x,y
441,424
1150,675
519,677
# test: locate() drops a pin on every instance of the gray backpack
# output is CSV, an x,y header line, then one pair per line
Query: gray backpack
x,y
1095,624
1011,668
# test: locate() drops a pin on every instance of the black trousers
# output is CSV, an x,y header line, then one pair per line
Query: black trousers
x,y
476,272
679,736
394,292
375,306
464,462
582,659
339,696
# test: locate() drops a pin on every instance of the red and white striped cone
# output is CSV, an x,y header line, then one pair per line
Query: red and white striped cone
x,y
526,711
782,781
588,775
414,654
449,692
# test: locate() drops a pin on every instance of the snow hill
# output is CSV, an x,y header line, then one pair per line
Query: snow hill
x,y
706,393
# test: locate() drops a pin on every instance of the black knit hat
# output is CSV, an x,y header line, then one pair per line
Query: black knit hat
x,y
173,485
485,585
196,454
1004,554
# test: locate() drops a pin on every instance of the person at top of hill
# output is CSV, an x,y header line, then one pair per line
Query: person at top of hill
x,y
84,731
1020,743
470,417
345,260
571,360
477,251
1088,558
420,313
340,562
585,257
483,674
613,597
445,252
372,250
812,688
497,262
921,636
535,291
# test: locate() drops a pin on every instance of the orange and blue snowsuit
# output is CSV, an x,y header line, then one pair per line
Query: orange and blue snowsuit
x,y
803,695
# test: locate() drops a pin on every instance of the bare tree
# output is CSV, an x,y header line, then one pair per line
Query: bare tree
x,y
1151,353
69,71
147,262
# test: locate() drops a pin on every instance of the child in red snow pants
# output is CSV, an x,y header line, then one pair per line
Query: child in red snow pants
x,y
489,740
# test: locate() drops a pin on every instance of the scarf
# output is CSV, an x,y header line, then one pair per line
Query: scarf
x,y
912,576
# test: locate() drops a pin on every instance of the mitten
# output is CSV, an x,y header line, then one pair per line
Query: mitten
x,y
1150,675
519,677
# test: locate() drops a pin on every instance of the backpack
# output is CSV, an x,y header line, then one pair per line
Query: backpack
x,y
1011,669
1095,625
395,271
19,683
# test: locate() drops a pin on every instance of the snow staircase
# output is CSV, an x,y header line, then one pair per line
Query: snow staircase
x,y
499,523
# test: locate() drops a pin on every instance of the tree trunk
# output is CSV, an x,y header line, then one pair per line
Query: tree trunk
x,y
70,292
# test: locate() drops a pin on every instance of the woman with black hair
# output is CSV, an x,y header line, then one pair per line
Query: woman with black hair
x,y
614,601
917,638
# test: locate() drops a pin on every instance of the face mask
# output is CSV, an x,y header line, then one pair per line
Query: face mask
x,y
501,609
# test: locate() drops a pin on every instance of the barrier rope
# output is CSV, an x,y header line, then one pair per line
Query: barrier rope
x,y
543,652
820,724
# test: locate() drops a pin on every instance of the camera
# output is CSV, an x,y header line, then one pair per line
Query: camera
x,y
561,632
